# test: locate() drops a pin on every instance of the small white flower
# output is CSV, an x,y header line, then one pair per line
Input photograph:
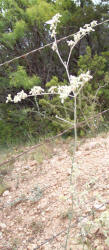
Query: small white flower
x,y
36,90
89,29
77,37
85,30
76,82
20,95
53,24
53,34
52,89
86,25
16,99
49,22
93,23
79,81
82,31
73,79
9,98
54,46
64,92
71,43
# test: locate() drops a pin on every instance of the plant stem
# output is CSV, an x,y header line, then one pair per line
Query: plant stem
x,y
75,127
73,160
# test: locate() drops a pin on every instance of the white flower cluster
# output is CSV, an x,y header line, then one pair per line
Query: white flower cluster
x,y
20,95
76,83
54,46
64,92
87,28
17,98
71,43
36,90
53,24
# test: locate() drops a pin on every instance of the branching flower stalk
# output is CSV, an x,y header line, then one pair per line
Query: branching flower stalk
x,y
76,83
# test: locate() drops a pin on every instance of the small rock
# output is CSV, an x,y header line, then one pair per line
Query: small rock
x,y
55,150
26,167
65,193
69,201
33,163
48,209
6,193
96,243
2,225
99,207
43,213
24,241
1,235
60,158
100,247
69,172
43,219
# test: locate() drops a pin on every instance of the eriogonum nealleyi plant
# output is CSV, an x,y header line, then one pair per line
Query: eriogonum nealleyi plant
x,y
75,85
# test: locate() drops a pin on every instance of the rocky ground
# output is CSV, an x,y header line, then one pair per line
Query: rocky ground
x,y
35,209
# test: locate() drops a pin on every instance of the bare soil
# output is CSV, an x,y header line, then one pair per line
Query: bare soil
x,y
34,212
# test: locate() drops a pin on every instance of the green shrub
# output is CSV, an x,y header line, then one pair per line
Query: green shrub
x,y
20,78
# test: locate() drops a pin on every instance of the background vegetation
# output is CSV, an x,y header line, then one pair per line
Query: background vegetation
x,y
22,29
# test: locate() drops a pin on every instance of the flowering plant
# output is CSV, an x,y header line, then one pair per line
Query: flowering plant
x,y
75,82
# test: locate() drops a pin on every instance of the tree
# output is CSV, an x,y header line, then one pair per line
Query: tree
x,y
23,28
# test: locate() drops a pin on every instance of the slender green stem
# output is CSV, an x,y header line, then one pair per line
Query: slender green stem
x,y
36,103
73,159
75,142
75,122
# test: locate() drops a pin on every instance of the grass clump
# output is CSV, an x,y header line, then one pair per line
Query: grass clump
x,y
41,153
37,227
4,170
66,214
